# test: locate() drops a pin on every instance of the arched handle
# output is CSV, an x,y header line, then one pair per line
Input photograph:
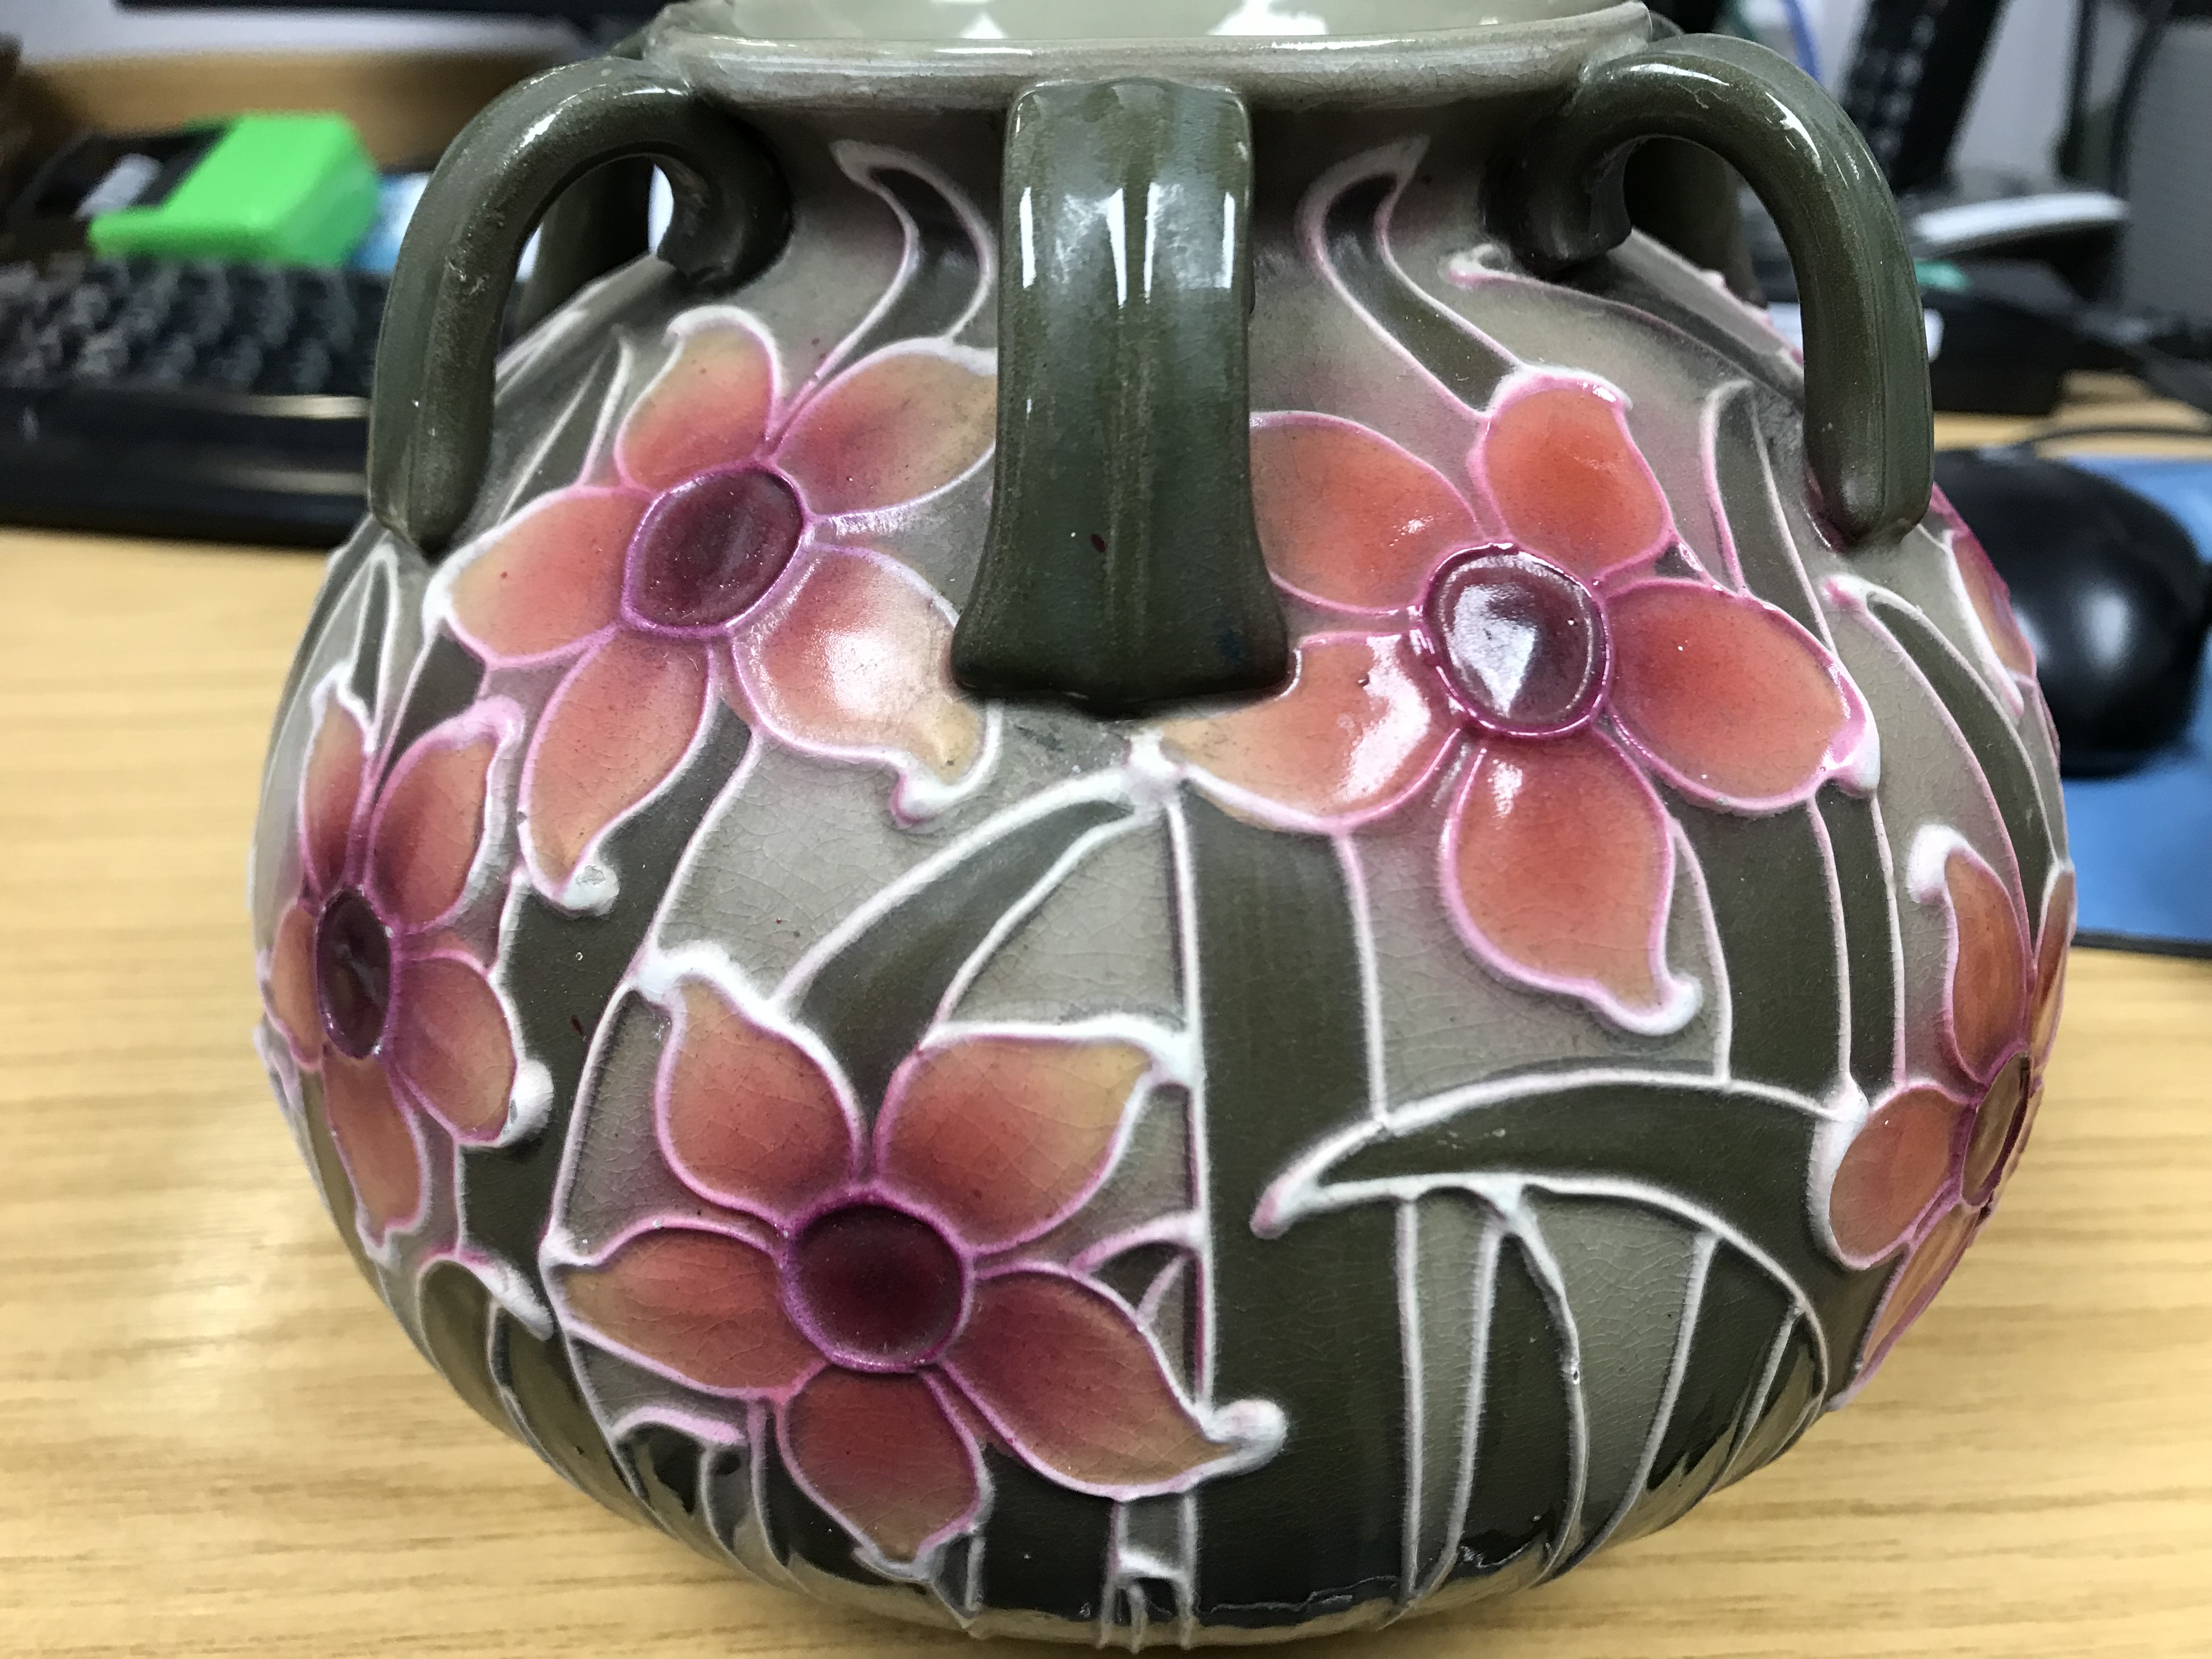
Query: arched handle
x,y
430,422
1869,436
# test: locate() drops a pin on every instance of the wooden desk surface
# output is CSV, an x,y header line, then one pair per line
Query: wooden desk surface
x,y
214,1441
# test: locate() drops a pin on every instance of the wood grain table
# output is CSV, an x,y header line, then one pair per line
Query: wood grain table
x,y
214,1441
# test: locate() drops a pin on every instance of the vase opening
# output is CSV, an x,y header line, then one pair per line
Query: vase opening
x,y
1021,20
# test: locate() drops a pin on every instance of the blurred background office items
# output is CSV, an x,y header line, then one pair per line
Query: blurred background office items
x,y
2053,164
2052,167
2049,159
183,349
56,30
2141,839
2108,588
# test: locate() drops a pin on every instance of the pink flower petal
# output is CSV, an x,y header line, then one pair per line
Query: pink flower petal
x,y
376,1141
430,823
1987,1013
1569,480
747,1116
1062,1370
1998,1123
855,660
1991,600
1558,870
2028,1112
621,722
330,796
291,995
880,1453
2051,940
1917,1280
707,407
703,1306
549,576
1903,1156
1731,700
1002,1136
1347,518
899,426
1361,725
451,1045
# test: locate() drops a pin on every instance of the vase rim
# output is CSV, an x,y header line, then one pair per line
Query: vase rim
x,y
1494,46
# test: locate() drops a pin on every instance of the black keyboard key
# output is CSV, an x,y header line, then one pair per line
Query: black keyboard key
x,y
87,308
305,368
105,357
204,320
185,397
236,366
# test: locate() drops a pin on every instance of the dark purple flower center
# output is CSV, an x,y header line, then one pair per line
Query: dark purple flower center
x,y
353,973
706,550
1519,644
879,1289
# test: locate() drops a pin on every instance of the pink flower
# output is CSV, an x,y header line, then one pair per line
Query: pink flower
x,y
1928,1166
367,985
2004,650
877,1288
715,562
1519,625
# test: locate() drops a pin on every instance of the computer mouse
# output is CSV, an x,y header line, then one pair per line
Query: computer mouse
x,y
2110,589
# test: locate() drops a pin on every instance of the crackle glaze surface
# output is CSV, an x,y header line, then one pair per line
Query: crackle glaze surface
x,y
1276,1165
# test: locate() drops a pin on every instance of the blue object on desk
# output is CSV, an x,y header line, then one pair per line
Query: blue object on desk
x,y
2142,843
395,206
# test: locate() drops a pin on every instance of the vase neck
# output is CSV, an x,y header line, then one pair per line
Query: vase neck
x,y
751,54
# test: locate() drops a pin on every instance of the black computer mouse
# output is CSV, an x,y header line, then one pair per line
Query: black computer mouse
x,y
2109,589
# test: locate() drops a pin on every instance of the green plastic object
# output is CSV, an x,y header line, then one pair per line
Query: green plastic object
x,y
1941,275
289,189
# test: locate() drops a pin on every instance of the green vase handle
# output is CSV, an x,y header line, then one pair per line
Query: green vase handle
x,y
1869,437
1122,570
430,421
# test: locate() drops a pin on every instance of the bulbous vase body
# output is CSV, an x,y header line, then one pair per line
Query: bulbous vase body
x,y
1244,1164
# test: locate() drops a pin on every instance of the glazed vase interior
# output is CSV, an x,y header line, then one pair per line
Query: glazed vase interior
x,y
1136,20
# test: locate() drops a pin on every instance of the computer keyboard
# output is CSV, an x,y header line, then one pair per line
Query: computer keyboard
x,y
189,398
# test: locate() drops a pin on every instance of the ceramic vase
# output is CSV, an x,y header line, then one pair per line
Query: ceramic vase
x,y
1157,857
